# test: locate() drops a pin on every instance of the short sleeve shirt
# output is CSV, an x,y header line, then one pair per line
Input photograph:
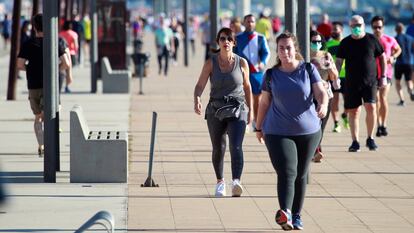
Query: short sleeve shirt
x,y
32,51
163,36
388,43
360,55
292,110
407,51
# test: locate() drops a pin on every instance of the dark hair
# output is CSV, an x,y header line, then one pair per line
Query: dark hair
x,y
288,35
316,33
228,32
67,25
377,18
247,16
37,22
334,23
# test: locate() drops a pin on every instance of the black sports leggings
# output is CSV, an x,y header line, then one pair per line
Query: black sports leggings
x,y
164,54
291,156
235,130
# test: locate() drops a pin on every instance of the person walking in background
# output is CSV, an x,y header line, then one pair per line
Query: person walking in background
x,y
392,50
229,80
164,42
205,36
403,64
325,65
263,25
289,124
325,27
332,47
253,47
6,30
276,25
410,27
32,53
87,30
71,38
178,35
360,50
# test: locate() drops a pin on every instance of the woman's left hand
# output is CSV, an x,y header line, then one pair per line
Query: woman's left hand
x,y
250,117
322,110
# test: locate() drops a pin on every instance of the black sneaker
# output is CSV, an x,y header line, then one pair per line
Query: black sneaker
x,y
379,131
401,103
354,147
412,96
384,131
371,144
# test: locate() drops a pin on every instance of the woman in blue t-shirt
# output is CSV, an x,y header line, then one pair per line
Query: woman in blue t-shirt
x,y
289,124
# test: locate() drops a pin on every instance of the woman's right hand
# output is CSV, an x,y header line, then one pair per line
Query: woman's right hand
x,y
260,136
197,107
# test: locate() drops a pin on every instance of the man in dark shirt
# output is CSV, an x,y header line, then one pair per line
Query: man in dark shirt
x,y
360,50
30,59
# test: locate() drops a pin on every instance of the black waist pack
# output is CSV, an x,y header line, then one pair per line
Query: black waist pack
x,y
228,108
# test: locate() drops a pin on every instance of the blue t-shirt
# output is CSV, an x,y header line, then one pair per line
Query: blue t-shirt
x,y
407,52
292,111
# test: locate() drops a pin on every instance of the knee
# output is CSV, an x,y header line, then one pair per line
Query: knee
x,y
370,108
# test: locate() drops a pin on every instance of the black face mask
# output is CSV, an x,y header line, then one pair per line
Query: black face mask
x,y
335,35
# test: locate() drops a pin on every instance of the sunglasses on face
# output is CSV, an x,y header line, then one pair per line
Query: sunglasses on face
x,y
356,25
316,41
224,38
376,27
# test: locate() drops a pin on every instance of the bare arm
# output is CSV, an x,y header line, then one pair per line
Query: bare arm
x,y
383,64
247,88
396,51
21,64
201,84
264,104
319,93
333,71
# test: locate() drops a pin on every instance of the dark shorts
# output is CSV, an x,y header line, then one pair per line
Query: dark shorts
x,y
36,100
389,82
256,84
355,97
405,70
342,89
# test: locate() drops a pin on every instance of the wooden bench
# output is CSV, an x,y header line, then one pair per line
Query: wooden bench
x,y
96,156
114,81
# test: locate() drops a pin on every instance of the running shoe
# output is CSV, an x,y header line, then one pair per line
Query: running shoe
x,y
412,96
401,103
345,121
236,188
220,189
317,157
337,128
371,144
297,222
354,147
284,219
384,131
379,131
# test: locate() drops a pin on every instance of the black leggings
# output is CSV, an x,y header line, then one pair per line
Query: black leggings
x,y
164,54
235,129
291,156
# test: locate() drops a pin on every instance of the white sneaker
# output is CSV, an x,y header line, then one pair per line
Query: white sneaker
x,y
221,189
236,188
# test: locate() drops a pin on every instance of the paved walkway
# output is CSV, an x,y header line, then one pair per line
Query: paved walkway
x,y
349,192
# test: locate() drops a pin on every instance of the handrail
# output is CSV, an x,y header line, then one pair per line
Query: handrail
x,y
97,220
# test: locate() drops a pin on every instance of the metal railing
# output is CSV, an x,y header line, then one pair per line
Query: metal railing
x,y
103,218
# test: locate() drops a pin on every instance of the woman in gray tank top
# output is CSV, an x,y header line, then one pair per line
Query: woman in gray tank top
x,y
229,80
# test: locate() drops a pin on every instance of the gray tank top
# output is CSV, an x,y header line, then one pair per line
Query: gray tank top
x,y
226,84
